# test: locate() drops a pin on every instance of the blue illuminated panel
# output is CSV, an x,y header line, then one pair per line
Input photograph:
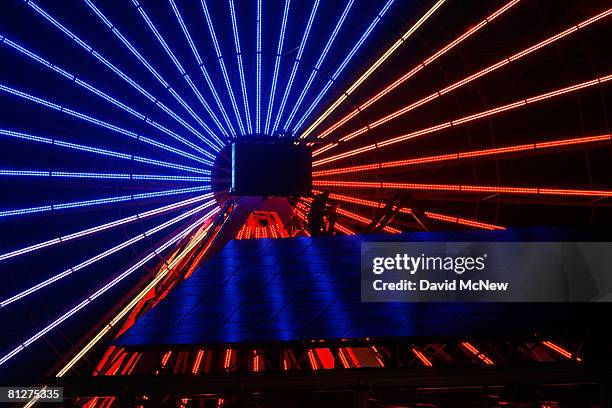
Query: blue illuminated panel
x,y
271,290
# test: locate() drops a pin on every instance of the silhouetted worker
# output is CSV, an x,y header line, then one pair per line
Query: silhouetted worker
x,y
319,209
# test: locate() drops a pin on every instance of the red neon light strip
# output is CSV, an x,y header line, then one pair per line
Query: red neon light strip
x,y
465,188
313,361
463,221
228,359
377,356
422,357
471,78
560,350
241,232
477,353
466,119
343,358
131,364
198,361
257,362
417,68
165,359
467,155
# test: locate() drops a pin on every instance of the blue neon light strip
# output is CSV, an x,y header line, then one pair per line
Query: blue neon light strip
x,y
109,126
183,73
343,65
228,85
152,254
279,53
62,239
196,54
104,254
99,151
160,79
245,97
317,67
233,186
296,65
102,201
96,91
116,70
258,79
102,176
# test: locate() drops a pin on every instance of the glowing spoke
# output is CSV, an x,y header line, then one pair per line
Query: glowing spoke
x,y
317,67
462,221
462,188
228,85
492,68
117,71
245,97
417,68
99,151
94,90
104,254
196,54
541,147
104,227
296,65
109,126
183,73
152,254
101,176
467,119
279,53
162,273
156,74
102,201
343,65
372,69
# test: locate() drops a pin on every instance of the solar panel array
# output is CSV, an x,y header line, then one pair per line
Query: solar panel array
x,y
271,290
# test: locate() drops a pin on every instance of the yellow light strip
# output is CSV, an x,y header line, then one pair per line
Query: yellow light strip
x,y
372,68
122,314
165,270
